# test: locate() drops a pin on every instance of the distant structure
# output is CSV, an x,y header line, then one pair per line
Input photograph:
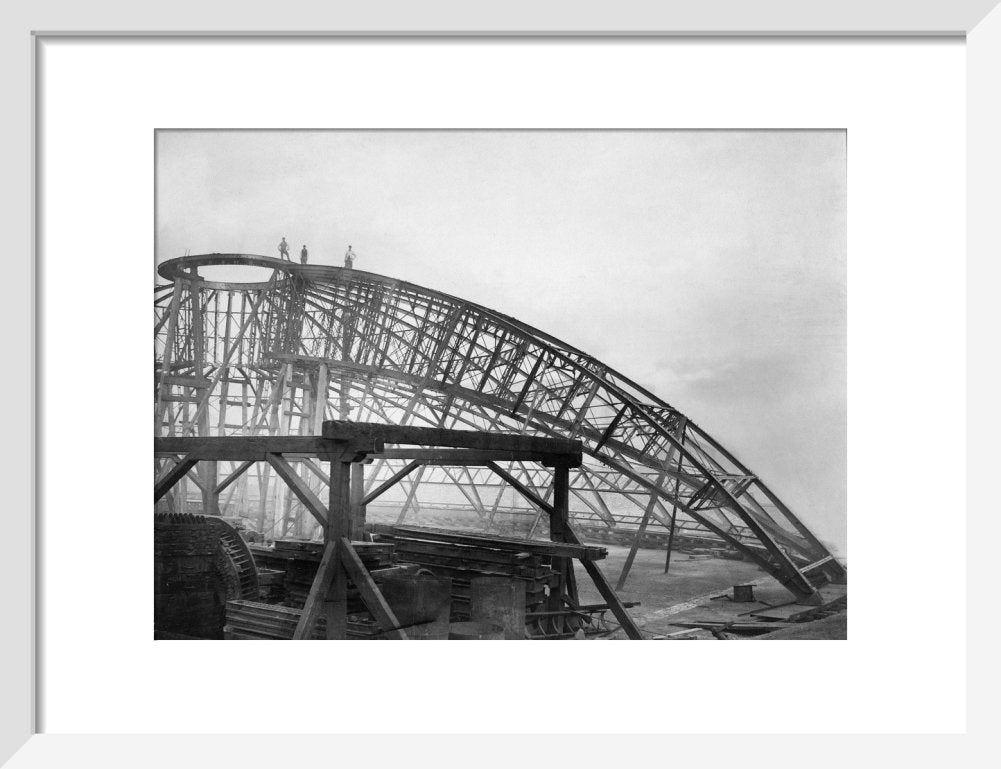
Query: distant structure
x,y
317,343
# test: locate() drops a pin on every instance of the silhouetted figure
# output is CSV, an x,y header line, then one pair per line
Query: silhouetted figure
x,y
349,259
283,250
304,254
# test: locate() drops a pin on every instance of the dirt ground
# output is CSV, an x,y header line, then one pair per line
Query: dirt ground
x,y
692,590
833,628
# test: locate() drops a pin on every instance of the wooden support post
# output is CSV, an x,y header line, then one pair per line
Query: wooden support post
x,y
165,389
305,428
263,476
210,469
287,520
317,593
370,593
320,398
210,497
559,530
357,512
336,605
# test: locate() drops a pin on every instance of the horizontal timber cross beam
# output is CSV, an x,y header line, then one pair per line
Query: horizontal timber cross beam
x,y
460,439
259,448
477,456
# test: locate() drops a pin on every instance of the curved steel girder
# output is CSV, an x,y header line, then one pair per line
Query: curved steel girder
x,y
780,564
368,325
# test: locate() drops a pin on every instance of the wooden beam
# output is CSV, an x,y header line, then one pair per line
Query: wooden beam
x,y
511,545
520,488
339,496
559,524
258,447
316,470
234,475
356,517
433,436
390,482
317,593
460,457
178,471
370,594
610,596
301,490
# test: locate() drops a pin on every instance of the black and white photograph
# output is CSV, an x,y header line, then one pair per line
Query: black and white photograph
x,y
500,384
575,323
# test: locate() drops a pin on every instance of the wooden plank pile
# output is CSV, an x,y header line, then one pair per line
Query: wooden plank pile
x,y
464,556
300,559
253,621
271,583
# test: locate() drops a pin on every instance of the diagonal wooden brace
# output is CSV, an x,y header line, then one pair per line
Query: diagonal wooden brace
x,y
301,490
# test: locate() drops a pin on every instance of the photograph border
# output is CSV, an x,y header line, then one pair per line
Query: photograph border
x,y
983,162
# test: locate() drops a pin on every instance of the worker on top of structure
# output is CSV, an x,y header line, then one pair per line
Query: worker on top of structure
x,y
283,250
304,254
349,259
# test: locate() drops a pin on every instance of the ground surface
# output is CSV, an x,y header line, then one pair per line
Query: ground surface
x,y
691,591
834,628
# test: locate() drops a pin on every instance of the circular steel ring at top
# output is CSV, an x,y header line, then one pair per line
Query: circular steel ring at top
x,y
174,269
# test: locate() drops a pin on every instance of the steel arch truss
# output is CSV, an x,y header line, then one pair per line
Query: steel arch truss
x,y
278,357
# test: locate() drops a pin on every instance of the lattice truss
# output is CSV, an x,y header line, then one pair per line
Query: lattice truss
x,y
315,343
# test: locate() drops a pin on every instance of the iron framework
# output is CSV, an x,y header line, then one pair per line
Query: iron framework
x,y
312,343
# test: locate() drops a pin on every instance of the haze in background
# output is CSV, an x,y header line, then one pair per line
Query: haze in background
x,y
709,267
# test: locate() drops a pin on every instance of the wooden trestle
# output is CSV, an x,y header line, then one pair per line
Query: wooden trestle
x,y
347,446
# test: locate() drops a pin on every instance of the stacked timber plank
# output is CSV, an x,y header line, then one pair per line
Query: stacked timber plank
x,y
464,556
253,621
271,584
299,560
705,546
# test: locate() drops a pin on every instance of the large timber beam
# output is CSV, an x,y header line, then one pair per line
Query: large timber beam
x,y
386,485
521,488
463,439
301,490
178,471
258,448
240,470
459,457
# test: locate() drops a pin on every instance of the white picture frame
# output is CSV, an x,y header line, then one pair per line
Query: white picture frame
x,y
978,22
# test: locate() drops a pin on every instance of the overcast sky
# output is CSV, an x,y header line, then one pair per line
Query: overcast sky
x,y
707,266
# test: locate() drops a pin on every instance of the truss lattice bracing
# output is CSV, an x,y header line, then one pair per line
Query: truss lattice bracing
x,y
315,342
